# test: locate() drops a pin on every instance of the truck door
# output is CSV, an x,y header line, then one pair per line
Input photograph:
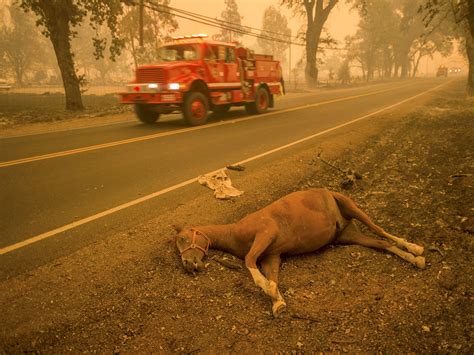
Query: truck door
x,y
214,65
232,72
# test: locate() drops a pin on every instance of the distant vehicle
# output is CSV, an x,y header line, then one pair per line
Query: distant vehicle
x,y
454,70
4,85
442,71
195,75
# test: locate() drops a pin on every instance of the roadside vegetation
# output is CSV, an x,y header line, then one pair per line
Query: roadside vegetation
x,y
24,108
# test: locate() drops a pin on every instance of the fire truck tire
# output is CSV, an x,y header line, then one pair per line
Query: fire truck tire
x,y
145,114
195,108
221,109
262,101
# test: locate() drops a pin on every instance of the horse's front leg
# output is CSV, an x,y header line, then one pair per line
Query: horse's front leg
x,y
271,268
261,242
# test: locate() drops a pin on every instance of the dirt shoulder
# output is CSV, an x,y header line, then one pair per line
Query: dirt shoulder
x,y
130,293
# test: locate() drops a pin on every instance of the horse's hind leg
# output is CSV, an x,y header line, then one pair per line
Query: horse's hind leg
x,y
352,235
350,210
271,268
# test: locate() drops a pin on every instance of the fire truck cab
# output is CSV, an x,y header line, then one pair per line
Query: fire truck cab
x,y
194,75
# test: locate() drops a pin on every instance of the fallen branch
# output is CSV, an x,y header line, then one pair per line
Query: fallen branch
x,y
343,341
459,175
345,172
302,317
350,175
433,248
236,167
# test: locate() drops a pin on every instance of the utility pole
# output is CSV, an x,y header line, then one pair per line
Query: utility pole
x,y
289,65
140,22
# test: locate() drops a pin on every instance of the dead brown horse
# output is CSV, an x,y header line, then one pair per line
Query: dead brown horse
x,y
300,222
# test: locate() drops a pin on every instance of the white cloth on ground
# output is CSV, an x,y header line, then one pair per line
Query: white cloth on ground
x,y
221,184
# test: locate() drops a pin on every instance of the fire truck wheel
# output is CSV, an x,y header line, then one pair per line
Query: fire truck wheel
x,y
145,114
195,108
220,109
262,99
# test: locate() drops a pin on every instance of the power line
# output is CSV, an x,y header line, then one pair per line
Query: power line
x,y
230,23
218,23
226,25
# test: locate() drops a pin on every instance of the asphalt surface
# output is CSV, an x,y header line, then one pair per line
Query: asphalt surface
x,y
42,193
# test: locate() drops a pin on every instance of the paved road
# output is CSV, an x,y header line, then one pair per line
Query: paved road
x,y
51,181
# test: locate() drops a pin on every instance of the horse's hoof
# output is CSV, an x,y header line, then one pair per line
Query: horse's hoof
x,y
420,262
416,249
278,307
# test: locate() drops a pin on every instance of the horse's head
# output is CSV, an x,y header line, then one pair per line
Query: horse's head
x,y
193,245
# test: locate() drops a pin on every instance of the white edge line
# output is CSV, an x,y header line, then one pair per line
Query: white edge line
x,y
78,223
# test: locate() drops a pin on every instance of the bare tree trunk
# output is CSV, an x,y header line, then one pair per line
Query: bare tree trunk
x,y
311,70
316,15
417,63
470,56
19,74
58,26
404,68
395,70
470,48
133,51
72,89
362,67
387,64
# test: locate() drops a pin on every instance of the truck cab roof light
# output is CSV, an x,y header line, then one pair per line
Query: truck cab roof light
x,y
199,35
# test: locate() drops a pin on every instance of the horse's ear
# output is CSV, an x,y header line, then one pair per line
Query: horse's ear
x,y
177,228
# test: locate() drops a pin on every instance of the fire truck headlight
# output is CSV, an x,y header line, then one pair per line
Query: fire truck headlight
x,y
173,86
153,86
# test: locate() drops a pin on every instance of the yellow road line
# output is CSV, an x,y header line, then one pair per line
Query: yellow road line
x,y
184,130
110,211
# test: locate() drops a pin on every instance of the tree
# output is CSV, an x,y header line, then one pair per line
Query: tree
x,y
20,43
410,29
461,14
332,64
84,59
316,16
231,21
355,53
275,25
344,72
58,18
391,38
377,36
387,31
427,45
157,26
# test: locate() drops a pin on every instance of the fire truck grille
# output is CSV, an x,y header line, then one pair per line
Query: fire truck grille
x,y
150,75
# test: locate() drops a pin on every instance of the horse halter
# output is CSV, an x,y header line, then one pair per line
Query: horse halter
x,y
194,245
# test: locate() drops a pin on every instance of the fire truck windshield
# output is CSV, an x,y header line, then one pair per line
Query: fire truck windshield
x,y
178,52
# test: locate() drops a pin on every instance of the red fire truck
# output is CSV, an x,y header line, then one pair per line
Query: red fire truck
x,y
194,75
